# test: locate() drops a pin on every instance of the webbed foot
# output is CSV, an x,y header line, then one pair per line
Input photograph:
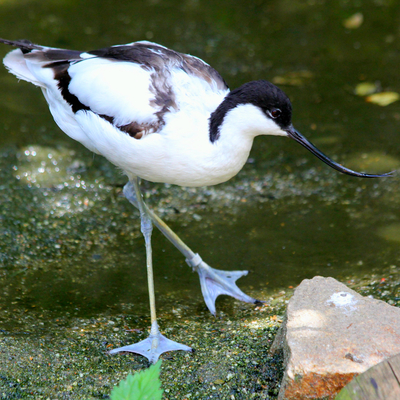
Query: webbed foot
x,y
215,282
153,346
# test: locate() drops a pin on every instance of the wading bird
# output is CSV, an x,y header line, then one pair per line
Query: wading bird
x,y
165,117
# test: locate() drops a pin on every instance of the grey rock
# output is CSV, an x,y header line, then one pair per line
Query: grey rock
x,y
331,333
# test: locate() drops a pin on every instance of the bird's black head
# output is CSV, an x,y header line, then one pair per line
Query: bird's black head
x,y
263,94
269,98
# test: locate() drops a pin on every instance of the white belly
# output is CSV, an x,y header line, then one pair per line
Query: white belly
x,y
182,158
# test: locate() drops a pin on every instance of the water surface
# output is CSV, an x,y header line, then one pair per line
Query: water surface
x,y
70,242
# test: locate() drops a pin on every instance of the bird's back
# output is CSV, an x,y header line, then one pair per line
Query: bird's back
x,y
134,87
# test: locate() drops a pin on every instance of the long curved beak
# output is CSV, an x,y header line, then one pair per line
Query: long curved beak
x,y
298,137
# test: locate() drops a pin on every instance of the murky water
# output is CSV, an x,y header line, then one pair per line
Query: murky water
x,y
70,242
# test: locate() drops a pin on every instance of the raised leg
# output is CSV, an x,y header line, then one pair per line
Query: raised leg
x,y
213,282
156,343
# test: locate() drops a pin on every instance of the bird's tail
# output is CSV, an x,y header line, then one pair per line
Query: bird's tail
x,y
25,45
15,60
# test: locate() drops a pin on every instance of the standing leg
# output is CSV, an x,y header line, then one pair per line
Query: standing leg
x,y
213,282
156,343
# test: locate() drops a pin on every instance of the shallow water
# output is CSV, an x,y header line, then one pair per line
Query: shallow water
x,y
70,243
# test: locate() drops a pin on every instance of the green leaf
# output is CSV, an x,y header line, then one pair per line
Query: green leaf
x,y
354,22
144,385
384,98
365,88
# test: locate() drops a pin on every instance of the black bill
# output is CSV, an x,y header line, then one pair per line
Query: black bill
x,y
298,137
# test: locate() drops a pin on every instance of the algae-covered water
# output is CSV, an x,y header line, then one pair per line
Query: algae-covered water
x,y
72,274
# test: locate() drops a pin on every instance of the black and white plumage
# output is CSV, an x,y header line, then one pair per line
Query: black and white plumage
x,y
165,117
106,98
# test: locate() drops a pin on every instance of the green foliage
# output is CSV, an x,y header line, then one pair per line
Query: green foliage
x,y
144,385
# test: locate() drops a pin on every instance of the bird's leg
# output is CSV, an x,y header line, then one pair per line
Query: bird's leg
x,y
156,343
213,281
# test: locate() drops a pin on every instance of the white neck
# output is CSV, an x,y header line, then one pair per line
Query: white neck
x,y
236,134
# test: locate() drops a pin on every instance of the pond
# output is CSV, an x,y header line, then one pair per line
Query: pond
x,y
70,243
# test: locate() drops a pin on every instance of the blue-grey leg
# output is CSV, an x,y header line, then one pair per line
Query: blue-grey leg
x,y
213,282
156,343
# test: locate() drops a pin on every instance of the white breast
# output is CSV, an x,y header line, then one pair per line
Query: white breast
x,y
180,154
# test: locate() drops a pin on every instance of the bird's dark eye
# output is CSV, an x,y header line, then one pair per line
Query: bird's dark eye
x,y
275,113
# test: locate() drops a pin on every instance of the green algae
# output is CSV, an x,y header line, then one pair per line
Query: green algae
x,y
47,357
62,358
73,286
